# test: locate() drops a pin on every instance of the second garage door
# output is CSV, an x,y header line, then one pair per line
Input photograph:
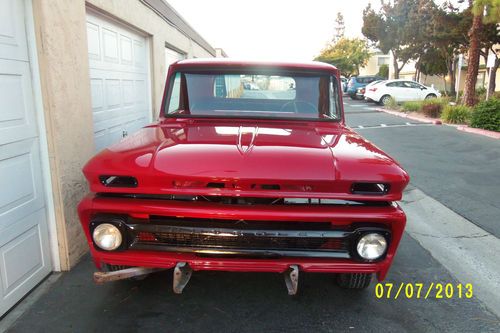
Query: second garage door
x,y
119,80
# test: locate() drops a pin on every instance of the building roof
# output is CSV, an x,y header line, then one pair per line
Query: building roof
x,y
169,14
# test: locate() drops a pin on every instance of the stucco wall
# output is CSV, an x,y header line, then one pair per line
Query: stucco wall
x,y
60,28
62,54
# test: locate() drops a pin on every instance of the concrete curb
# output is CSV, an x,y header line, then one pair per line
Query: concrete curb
x,y
436,121
412,117
467,251
491,134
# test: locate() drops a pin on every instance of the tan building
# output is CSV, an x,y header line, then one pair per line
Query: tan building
x,y
75,76
409,72
376,60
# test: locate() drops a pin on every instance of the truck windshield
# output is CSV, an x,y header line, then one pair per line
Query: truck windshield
x,y
248,95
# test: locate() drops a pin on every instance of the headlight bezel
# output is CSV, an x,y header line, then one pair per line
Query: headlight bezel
x,y
115,222
385,237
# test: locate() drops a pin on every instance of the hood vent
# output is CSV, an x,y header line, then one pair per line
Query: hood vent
x,y
118,181
370,188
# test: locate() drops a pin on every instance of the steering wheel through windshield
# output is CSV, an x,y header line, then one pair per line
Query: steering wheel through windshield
x,y
299,107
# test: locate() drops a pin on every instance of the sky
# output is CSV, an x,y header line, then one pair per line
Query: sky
x,y
271,29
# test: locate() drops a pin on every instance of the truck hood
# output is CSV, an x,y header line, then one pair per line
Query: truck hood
x,y
247,158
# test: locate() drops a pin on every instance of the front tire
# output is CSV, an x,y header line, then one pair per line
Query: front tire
x,y
430,96
354,280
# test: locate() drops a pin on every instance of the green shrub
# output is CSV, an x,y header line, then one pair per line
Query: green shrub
x,y
392,105
383,71
412,106
481,91
486,115
456,114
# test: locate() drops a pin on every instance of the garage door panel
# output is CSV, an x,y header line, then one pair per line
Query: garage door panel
x,y
17,117
97,92
12,31
20,258
109,122
24,259
110,44
114,94
24,244
20,173
128,92
93,40
140,52
126,50
118,78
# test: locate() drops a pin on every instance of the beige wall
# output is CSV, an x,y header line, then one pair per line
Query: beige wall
x,y
62,53
60,28
372,66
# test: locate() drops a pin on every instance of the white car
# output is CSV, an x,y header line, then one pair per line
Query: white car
x,y
360,93
400,90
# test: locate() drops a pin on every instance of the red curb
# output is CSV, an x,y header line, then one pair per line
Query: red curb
x,y
491,134
436,121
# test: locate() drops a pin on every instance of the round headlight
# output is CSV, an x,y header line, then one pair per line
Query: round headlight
x,y
371,246
107,236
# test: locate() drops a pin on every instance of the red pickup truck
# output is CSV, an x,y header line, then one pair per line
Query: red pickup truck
x,y
250,167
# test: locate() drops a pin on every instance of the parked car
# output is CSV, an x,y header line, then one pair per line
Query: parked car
x,y
401,91
270,182
344,81
357,82
360,93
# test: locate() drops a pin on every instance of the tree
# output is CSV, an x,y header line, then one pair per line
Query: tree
x,y
390,30
383,71
348,55
339,28
446,33
490,37
432,62
479,7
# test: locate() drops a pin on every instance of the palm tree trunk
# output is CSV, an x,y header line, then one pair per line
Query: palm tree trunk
x,y
469,97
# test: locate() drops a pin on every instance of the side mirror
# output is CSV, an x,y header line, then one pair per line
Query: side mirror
x,y
423,88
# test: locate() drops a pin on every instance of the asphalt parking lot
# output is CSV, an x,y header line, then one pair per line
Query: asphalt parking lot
x,y
457,169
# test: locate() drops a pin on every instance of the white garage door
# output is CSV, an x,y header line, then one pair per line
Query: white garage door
x,y
24,245
119,80
172,56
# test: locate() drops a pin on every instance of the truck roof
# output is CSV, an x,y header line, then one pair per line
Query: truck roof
x,y
229,62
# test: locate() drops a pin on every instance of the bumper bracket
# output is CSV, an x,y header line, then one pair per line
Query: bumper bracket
x,y
182,274
292,279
